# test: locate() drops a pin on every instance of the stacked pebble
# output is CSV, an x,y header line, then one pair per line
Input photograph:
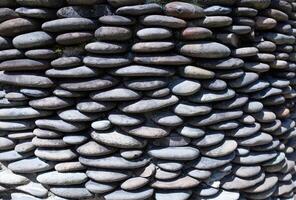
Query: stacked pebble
x,y
130,100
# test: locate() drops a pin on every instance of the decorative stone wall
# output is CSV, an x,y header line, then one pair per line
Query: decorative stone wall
x,y
134,100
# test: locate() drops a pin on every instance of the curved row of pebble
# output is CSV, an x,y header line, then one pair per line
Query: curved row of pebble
x,y
133,100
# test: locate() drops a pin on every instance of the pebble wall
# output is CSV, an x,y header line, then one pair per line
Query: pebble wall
x,y
135,100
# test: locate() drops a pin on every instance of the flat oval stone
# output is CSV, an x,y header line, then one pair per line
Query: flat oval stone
x,y
228,63
246,79
55,155
34,189
25,79
74,38
17,125
89,85
71,192
180,183
105,48
139,71
213,22
58,178
187,109
7,13
205,163
59,125
66,62
116,20
9,178
205,50
210,138
30,165
101,125
207,96
256,139
191,132
75,72
69,167
217,10
40,54
149,130
146,105
180,153
75,139
107,176
154,33
10,54
114,162
162,175
13,27
113,33
92,148
161,20
269,182
106,62
39,13
117,139
134,183
6,143
23,64
68,24
50,103
183,87
32,40
214,84
76,116
163,60
145,47
254,158
196,33
99,188
246,130
227,147
173,195
138,10
200,174
125,195
121,119
196,72
247,171
21,113
144,84
92,106
184,10
117,94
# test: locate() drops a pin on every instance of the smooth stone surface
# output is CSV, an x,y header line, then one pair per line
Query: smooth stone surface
x,y
180,153
32,40
117,139
92,148
184,10
114,162
9,178
205,50
124,195
13,27
165,21
27,80
68,24
146,105
57,178
154,33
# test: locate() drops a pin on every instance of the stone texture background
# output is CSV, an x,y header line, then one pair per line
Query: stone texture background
x,y
135,100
